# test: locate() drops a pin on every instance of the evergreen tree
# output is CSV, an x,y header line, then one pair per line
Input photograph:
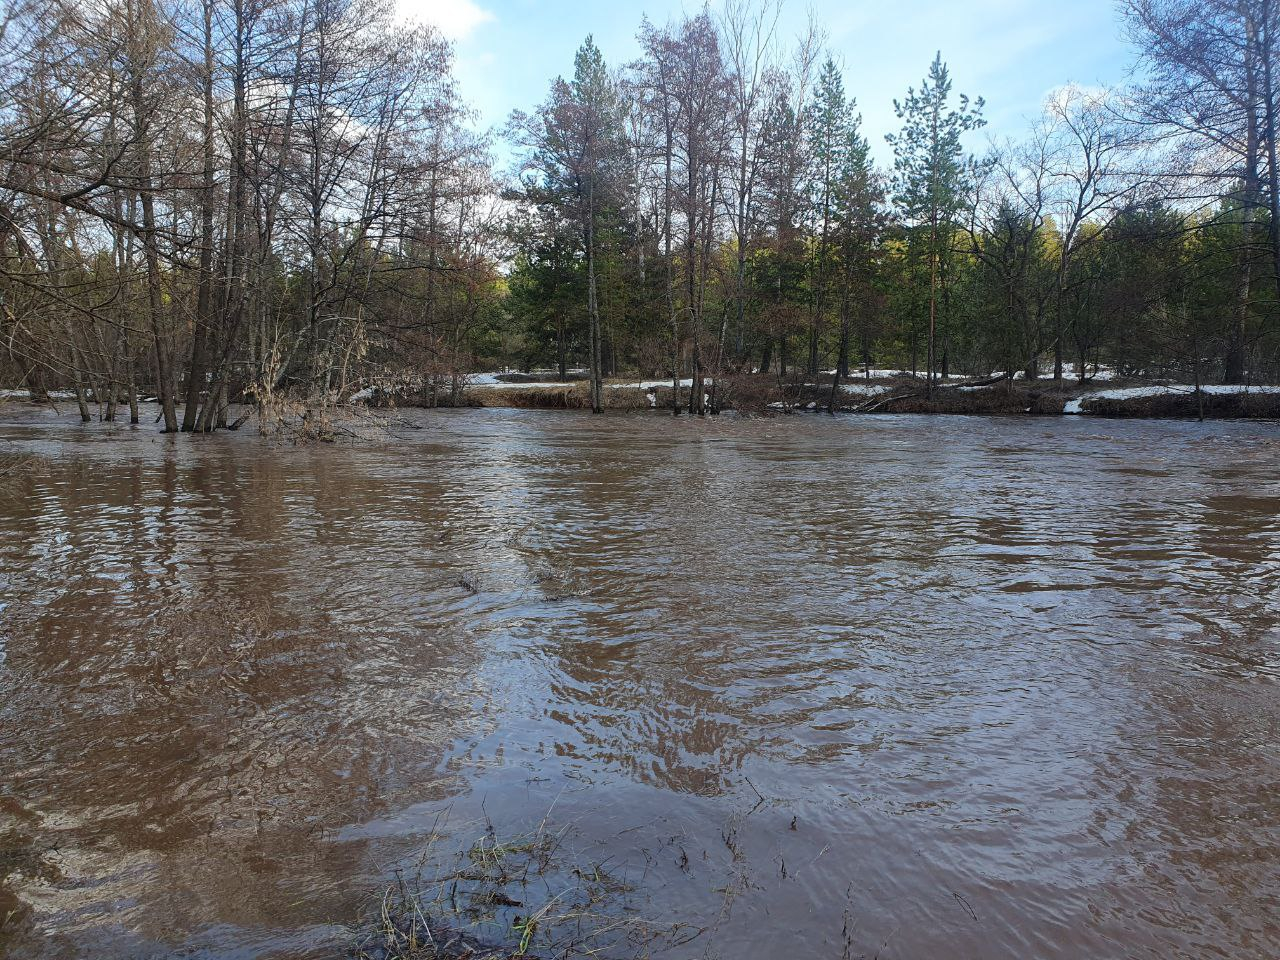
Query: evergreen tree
x,y
827,128
856,223
576,168
931,174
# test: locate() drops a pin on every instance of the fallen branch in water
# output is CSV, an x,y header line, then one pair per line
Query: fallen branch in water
x,y
13,468
16,466
403,422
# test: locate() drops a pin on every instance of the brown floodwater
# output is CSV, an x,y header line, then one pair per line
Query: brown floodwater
x,y
903,687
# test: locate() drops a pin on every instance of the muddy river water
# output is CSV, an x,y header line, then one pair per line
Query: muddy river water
x,y
882,686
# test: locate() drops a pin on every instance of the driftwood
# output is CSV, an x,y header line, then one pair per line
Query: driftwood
x,y
875,403
981,382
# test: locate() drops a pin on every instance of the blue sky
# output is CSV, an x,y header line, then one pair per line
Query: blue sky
x,y
1012,52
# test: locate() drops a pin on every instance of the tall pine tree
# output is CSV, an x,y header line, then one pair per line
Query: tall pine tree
x,y
827,128
931,174
575,169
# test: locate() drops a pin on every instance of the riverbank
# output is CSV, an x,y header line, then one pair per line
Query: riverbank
x,y
880,394
900,394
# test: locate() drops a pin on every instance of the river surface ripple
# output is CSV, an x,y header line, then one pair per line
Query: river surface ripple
x,y
918,687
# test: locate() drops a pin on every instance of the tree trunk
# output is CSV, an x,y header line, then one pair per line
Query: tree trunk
x,y
933,303
842,358
1234,362
842,364
1269,138
593,311
562,360
151,253
204,293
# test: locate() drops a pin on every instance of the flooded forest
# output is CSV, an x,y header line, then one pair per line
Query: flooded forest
x,y
681,517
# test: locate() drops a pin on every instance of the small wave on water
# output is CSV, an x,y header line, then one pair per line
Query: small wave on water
x,y
904,686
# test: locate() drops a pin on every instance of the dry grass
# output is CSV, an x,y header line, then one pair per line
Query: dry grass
x,y
906,394
15,468
766,394
524,896
744,393
559,397
570,396
304,422
1217,406
998,400
749,393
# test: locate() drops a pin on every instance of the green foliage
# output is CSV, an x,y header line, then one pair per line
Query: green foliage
x,y
931,175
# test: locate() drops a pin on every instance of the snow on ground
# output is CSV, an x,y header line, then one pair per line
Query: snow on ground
x,y
1068,373
490,378
1157,390
875,372
536,385
865,389
490,381
1092,372
26,395
1234,388
651,384
633,385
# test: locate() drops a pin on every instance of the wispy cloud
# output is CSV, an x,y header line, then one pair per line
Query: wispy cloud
x,y
455,18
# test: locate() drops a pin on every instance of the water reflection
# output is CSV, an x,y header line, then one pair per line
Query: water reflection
x,y
1013,682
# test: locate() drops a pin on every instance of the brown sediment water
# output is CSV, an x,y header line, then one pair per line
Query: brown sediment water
x,y
920,687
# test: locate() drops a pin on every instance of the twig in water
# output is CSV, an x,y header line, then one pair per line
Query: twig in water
x,y
964,903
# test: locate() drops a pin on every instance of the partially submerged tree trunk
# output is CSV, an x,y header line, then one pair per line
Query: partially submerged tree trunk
x,y
204,295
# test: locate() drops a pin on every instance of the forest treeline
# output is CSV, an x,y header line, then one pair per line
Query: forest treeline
x,y
216,201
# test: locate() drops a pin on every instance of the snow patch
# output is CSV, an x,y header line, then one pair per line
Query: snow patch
x,y
26,395
865,389
651,384
537,385
1160,390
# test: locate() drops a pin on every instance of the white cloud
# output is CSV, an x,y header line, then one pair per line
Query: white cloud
x,y
1061,96
455,18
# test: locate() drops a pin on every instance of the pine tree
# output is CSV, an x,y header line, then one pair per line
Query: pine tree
x,y
856,201
576,167
931,173
828,135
